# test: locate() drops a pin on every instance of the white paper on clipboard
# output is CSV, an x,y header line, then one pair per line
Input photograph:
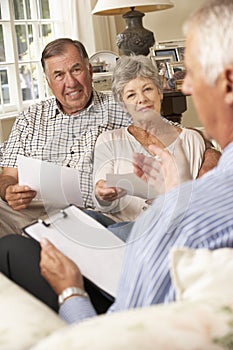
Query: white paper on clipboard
x,y
96,250
55,184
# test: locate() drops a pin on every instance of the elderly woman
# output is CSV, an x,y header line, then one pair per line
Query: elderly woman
x,y
137,85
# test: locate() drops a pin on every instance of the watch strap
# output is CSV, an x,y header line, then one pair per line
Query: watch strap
x,y
70,291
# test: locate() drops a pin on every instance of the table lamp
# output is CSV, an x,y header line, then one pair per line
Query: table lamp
x,y
135,39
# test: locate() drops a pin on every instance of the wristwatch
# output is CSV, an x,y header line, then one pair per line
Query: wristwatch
x,y
68,292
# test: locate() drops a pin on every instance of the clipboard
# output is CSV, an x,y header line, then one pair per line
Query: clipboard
x,y
96,250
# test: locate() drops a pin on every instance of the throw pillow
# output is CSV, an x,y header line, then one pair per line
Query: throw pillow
x,y
202,274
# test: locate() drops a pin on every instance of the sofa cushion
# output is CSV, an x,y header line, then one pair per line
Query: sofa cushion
x,y
200,321
24,320
202,274
177,326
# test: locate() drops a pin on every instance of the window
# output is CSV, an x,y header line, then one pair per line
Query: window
x,y
26,26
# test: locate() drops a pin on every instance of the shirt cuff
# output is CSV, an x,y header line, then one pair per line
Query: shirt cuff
x,y
76,309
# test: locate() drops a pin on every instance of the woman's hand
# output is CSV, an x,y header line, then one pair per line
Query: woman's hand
x,y
58,270
108,194
165,171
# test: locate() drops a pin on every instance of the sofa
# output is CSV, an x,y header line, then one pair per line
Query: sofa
x,y
200,319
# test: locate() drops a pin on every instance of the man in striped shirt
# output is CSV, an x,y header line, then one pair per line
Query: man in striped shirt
x,y
196,214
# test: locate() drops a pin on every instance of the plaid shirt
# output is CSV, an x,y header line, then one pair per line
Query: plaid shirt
x,y
44,132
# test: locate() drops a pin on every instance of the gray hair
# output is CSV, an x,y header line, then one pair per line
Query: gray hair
x,y
131,67
59,46
212,28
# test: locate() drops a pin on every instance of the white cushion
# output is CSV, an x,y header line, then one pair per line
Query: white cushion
x,y
202,274
203,320
177,326
24,320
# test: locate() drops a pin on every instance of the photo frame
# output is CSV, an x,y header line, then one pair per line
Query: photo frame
x,y
171,43
177,44
178,74
102,81
163,65
177,66
166,51
180,52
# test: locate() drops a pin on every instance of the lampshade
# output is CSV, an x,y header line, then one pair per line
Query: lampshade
x,y
135,39
119,7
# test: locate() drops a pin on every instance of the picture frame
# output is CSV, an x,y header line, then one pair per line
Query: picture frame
x,y
177,66
178,44
102,81
166,51
181,52
163,65
171,43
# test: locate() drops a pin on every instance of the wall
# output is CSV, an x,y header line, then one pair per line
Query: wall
x,y
167,25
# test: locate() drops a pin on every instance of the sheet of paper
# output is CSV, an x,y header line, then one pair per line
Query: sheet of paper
x,y
132,184
96,250
55,184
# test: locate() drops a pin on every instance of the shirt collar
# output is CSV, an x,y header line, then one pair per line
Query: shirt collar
x,y
56,109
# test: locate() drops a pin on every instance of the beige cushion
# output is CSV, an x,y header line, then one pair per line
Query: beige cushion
x,y
24,320
202,274
203,320
177,326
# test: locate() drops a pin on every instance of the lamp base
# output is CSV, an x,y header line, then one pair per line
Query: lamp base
x,y
135,39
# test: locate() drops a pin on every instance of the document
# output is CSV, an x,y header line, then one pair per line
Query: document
x,y
132,184
56,185
96,250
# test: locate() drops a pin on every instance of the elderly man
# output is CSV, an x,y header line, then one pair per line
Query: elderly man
x,y
197,214
62,129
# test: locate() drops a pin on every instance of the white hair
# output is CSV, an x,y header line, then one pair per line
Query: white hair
x,y
212,27
131,67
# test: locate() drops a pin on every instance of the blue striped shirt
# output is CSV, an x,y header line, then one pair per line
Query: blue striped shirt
x,y
198,214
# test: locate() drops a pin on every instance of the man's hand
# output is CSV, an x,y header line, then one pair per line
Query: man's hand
x,y
164,172
59,271
19,197
107,194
